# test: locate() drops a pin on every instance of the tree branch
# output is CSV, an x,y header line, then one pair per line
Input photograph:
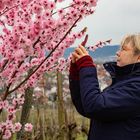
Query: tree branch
x,y
64,8
8,9
8,87
4,65
45,58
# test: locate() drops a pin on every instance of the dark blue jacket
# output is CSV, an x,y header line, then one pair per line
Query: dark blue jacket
x,y
115,112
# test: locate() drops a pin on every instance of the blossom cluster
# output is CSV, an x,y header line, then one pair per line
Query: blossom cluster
x,y
34,31
7,128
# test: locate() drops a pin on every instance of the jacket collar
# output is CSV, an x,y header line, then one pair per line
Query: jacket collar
x,y
116,71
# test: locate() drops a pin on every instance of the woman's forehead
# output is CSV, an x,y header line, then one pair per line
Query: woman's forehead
x,y
127,46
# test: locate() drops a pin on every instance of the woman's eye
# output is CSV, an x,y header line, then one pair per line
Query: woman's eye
x,y
122,49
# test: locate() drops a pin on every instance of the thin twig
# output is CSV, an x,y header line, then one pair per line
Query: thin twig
x,y
9,9
64,8
9,85
4,65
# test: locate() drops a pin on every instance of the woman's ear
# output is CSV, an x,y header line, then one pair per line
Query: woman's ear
x,y
138,60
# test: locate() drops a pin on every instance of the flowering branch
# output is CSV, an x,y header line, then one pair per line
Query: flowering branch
x,y
45,58
64,8
8,9
99,45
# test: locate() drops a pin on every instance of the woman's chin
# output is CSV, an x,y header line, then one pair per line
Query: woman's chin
x,y
118,64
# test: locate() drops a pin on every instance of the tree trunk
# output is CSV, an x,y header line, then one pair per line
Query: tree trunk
x,y
25,112
61,112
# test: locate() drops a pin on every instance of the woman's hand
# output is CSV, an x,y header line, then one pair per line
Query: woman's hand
x,y
79,53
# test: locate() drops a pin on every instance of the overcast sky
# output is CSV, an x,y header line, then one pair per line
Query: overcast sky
x,y
113,19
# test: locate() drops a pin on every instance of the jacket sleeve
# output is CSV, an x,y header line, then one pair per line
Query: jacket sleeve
x,y
75,89
113,104
76,97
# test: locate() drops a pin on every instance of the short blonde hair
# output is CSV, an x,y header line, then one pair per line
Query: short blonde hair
x,y
134,39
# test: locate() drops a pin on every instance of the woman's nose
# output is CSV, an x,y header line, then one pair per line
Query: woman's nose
x,y
118,53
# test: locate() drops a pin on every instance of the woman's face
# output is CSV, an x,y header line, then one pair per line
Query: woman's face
x,y
126,55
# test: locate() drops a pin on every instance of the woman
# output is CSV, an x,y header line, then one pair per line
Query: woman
x,y
114,112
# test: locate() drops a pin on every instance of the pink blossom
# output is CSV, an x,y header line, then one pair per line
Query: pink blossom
x,y
19,100
60,0
5,104
28,127
61,12
50,22
52,5
8,124
17,127
78,2
11,116
1,5
24,3
34,61
93,48
19,54
93,2
37,8
79,35
14,102
6,31
45,3
11,109
8,3
38,94
47,14
7,134
83,11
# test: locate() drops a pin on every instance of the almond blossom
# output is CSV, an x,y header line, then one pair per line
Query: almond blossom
x,y
17,127
7,134
28,127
